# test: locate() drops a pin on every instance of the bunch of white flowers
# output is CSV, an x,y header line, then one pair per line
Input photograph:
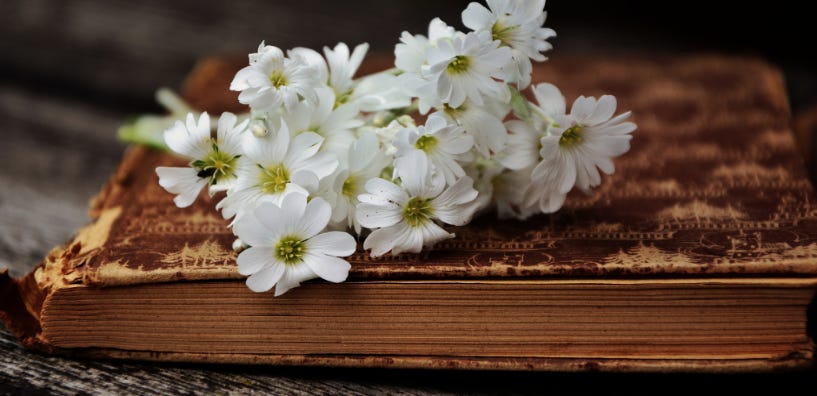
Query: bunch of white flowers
x,y
323,156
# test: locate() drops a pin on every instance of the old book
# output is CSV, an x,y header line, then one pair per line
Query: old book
x,y
698,254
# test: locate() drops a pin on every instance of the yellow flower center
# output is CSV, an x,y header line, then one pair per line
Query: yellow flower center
x,y
349,188
459,65
217,164
453,112
290,250
426,143
278,79
502,33
571,136
417,211
274,179
342,99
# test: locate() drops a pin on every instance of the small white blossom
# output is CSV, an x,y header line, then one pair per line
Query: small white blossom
x,y
517,24
375,92
522,150
287,246
500,188
387,134
483,123
405,215
272,80
364,161
467,67
274,167
576,147
213,162
412,52
442,142
411,56
335,124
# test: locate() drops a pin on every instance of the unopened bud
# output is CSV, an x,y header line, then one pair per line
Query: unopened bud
x,y
239,245
259,129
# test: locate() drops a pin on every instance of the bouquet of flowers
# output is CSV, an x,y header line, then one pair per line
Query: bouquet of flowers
x,y
324,158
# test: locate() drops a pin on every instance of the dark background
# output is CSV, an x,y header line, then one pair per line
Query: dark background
x,y
72,71
119,51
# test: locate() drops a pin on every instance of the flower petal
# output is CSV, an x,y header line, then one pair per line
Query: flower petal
x,y
476,17
184,182
550,99
605,108
333,243
330,268
384,191
461,192
315,217
413,170
293,276
382,240
266,278
432,233
255,233
185,142
376,216
254,259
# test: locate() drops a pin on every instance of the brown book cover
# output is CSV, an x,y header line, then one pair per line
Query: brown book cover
x,y
710,208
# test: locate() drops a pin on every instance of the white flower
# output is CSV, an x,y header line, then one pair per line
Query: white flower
x,y
522,150
272,80
483,123
343,66
335,125
442,142
375,92
365,160
387,134
500,188
379,91
576,147
287,247
213,161
516,24
411,53
273,167
405,215
466,67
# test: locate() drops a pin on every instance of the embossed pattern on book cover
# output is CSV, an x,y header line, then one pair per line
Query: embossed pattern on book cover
x,y
713,186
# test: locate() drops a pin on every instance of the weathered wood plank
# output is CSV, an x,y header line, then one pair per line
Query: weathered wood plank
x,y
56,155
26,372
128,48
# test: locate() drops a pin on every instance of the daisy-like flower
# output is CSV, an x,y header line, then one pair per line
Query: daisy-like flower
x,y
404,216
343,66
442,142
214,161
287,246
335,124
375,92
467,67
272,80
483,123
411,53
365,161
516,24
522,150
274,167
576,147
